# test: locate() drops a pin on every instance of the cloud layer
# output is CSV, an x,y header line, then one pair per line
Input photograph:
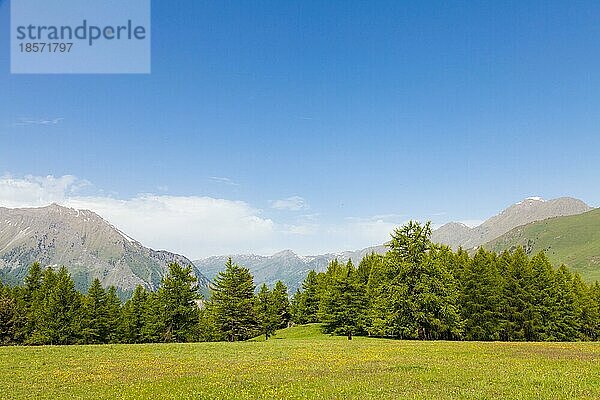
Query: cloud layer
x,y
294,203
201,226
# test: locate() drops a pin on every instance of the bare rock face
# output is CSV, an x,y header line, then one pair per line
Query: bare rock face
x,y
83,242
532,209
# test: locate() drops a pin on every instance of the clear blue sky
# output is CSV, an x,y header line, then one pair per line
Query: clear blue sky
x,y
430,110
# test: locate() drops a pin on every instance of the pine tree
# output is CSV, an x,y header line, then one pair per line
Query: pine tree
x,y
61,316
153,315
566,324
33,281
178,294
343,305
544,298
480,296
232,303
132,318
266,312
95,319
8,314
419,298
37,309
306,302
595,298
585,308
113,315
282,304
32,297
518,298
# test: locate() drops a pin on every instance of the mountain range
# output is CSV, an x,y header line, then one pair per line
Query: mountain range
x,y
90,247
286,266
532,209
572,240
291,268
85,243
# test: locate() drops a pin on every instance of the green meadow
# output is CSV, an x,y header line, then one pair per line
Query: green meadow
x,y
302,363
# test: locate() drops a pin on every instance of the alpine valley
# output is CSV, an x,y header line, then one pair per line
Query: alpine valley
x,y
291,268
91,247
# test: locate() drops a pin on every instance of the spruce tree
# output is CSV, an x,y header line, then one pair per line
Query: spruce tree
x,y
282,304
178,294
307,300
543,298
480,295
343,305
8,313
95,318
61,314
113,315
232,303
132,317
266,312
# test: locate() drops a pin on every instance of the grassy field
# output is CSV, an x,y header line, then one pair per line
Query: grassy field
x,y
300,363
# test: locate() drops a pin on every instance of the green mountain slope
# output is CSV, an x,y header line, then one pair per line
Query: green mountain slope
x,y
572,240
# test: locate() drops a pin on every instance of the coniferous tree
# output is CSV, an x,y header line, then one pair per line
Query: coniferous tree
x,y
585,308
266,312
282,304
132,317
306,302
480,296
595,297
232,303
419,298
95,318
178,294
543,298
566,325
8,314
32,298
60,315
518,297
113,315
343,305
153,315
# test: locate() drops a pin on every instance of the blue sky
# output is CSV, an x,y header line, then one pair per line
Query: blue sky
x,y
319,125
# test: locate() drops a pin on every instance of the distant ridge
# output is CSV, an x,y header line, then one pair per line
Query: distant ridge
x,y
291,268
530,210
285,265
572,240
82,241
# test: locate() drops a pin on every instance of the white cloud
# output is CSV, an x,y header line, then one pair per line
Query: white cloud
x,y
194,226
370,230
294,203
201,226
223,180
38,121
35,191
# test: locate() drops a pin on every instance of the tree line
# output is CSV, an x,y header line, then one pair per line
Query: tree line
x,y
48,309
420,290
417,290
